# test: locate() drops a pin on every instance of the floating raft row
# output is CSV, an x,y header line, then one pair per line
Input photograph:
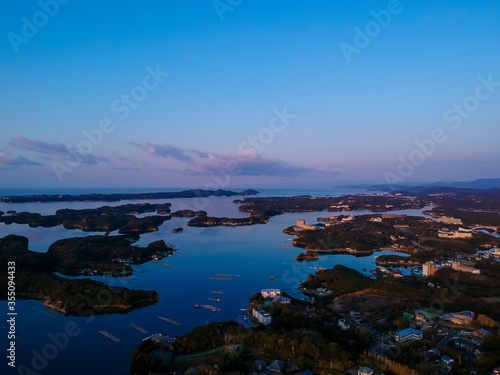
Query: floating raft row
x,y
214,299
216,291
170,320
295,264
110,336
221,278
139,328
222,274
210,307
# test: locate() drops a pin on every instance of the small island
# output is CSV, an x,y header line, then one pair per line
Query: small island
x,y
208,221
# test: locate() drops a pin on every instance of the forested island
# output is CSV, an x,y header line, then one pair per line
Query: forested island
x,y
37,277
102,219
208,221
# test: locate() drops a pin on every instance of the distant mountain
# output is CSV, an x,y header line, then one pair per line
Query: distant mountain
x,y
249,192
483,183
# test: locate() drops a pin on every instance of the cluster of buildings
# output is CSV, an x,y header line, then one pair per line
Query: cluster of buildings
x,y
302,225
493,254
272,295
445,362
450,220
335,220
430,268
471,342
460,233
355,317
340,207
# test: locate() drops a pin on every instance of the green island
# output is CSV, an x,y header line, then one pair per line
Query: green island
x,y
208,221
40,277
423,238
102,219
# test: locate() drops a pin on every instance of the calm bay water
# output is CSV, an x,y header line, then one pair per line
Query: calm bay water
x,y
255,252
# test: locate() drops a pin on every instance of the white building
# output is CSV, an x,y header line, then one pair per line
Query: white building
x,y
457,266
429,268
408,334
261,316
270,293
302,225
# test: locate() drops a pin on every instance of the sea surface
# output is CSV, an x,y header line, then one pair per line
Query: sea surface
x,y
255,253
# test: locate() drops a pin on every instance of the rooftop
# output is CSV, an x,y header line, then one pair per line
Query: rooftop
x,y
408,331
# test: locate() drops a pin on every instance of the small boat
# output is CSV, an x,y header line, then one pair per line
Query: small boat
x,y
272,277
197,305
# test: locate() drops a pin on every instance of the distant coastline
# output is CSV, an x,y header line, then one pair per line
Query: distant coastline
x,y
115,197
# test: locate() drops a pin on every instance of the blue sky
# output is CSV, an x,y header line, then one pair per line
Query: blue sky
x,y
231,70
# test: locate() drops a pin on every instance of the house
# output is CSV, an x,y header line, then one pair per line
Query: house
x,y
282,300
479,352
481,333
431,354
408,334
276,367
465,345
365,371
432,324
427,315
447,362
420,318
343,324
465,318
356,316
259,365
270,293
262,316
